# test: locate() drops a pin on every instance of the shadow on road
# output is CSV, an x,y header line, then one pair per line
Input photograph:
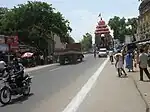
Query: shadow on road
x,y
146,80
18,100
78,62
124,76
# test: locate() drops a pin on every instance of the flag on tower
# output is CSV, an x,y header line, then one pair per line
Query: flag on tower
x,y
99,15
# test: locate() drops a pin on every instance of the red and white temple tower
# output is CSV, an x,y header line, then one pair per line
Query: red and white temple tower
x,y
102,35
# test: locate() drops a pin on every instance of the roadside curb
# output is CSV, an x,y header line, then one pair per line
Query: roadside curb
x,y
142,96
38,67
41,67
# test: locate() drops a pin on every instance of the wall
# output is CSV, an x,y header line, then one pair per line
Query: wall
x,y
143,30
58,43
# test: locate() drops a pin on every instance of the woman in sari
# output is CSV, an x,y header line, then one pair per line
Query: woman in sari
x,y
129,62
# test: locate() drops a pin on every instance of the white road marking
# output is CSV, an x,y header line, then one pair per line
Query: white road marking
x,y
55,69
78,99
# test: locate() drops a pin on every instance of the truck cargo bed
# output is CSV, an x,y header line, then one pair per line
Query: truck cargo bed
x,y
71,53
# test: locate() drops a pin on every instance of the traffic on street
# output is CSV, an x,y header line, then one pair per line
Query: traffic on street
x,y
67,56
53,87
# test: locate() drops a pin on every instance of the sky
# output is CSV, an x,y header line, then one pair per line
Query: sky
x,y
83,14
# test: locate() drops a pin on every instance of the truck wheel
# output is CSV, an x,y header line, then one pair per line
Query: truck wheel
x,y
74,60
81,59
61,60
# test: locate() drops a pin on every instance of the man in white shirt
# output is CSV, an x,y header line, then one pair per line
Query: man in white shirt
x,y
143,61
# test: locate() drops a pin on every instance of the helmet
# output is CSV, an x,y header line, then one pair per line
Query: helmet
x,y
15,60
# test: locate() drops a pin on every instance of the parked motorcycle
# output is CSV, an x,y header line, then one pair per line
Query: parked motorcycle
x,y
10,88
3,73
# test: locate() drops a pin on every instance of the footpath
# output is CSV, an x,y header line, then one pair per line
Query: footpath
x,y
113,94
142,86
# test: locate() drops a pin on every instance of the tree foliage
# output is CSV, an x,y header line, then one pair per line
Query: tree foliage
x,y
71,40
34,21
86,42
122,27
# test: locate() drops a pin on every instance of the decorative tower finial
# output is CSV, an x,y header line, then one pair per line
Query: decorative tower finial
x,y
100,15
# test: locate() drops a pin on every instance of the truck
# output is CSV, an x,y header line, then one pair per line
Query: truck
x,y
70,53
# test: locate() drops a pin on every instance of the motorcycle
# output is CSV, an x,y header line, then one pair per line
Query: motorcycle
x,y
4,72
10,88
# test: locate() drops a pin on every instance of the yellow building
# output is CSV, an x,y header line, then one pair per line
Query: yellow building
x,y
143,30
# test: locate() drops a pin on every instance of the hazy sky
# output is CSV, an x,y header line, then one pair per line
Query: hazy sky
x,y
83,14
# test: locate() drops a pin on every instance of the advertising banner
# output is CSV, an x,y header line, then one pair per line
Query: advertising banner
x,y
13,43
4,47
2,39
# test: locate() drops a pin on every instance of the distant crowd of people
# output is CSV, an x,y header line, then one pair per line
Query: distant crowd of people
x,y
131,60
134,59
35,60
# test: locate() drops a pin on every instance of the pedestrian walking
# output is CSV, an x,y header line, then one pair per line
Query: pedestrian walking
x,y
143,61
94,53
120,64
129,61
111,57
135,59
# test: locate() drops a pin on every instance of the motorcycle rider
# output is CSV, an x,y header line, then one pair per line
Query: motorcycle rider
x,y
18,71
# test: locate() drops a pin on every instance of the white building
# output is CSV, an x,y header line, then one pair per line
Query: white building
x,y
58,43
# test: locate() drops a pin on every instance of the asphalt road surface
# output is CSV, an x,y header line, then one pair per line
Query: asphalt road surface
x,y
54,87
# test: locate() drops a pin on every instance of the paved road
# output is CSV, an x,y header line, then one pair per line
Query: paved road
x,y
54,87
90,86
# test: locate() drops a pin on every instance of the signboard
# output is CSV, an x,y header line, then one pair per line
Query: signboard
x,y
13,43
128,39
2,39
4,47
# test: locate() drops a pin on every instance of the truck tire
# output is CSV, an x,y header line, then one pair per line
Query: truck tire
x,y
81,59
74,59
61,60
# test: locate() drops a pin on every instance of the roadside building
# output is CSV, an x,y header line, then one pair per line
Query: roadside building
x,y
143,30
102,35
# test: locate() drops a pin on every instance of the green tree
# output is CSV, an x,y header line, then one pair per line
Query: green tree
x,y
133,23
71,40
86,42
121,27
35,21
118,25
3,12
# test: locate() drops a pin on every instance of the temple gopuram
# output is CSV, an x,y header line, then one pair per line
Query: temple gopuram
x,y
102,35
143,29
